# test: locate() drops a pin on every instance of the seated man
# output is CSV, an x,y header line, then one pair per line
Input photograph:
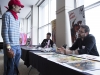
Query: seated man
x,y
47,42
85,44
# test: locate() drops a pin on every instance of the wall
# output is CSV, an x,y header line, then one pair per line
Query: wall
x,y
34,22
1,40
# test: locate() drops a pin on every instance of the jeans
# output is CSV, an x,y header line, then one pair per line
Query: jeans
x,y
10,64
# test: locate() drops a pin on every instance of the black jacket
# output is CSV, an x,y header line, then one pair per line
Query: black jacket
x,y
44,43
87,46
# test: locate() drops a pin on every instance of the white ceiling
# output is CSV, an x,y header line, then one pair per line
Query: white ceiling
x,y
24,11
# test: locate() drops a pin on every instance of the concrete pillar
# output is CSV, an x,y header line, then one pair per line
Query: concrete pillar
x,y
25,25
63,33
34,27
1,40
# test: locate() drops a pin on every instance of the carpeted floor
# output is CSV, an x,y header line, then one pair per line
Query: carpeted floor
x,y
22,68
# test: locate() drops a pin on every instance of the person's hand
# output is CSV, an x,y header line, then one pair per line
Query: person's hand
x,y
61,50
10,52
58,50
68,51
65,51
20,40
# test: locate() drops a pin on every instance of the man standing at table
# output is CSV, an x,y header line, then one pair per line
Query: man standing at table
x,y
85,44
10,34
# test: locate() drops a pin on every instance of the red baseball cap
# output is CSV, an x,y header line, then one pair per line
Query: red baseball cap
x,y
15,2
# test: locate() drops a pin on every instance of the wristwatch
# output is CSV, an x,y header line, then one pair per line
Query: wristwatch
x,y
8,47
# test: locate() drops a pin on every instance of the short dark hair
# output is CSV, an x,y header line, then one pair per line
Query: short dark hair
x,y
49,34
87,29
10,8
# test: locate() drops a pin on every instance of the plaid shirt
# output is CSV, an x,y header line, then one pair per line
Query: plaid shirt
x,y
10,29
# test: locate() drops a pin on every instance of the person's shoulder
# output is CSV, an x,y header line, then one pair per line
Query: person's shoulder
x,y
78,39
6,14
51,40
91,36
44,39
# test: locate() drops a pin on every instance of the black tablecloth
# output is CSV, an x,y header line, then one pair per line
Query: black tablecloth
x,y
47,67
1,45
25,57
25,54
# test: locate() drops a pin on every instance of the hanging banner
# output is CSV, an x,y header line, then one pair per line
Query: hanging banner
x,y
77,18
23,38
53,23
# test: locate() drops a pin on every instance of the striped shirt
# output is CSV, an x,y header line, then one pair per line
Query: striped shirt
x,y
10,29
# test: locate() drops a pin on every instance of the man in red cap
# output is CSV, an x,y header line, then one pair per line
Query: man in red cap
x,y
10,34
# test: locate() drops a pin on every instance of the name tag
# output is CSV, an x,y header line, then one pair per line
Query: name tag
x,y
83,47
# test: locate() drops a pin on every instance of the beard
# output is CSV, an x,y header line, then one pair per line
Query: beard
x,y
18,11
79,36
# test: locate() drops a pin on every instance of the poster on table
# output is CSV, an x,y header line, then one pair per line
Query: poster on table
x,y
29,42
76,18
53,23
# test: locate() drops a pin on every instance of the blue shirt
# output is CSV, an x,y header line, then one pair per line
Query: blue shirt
x,y
10,29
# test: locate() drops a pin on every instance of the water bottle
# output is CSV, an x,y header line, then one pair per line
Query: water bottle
x,y
54,47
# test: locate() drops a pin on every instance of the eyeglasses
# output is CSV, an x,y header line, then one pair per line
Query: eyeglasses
x,y
81,31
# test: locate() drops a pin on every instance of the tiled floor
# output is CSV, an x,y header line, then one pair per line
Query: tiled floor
x,y
22,68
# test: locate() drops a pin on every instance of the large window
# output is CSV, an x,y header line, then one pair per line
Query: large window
x,y
29,27
88,2
53,10
43,32
92,18
47,13
85,2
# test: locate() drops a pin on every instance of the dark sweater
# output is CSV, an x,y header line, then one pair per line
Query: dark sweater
x,y
45,41
89,44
